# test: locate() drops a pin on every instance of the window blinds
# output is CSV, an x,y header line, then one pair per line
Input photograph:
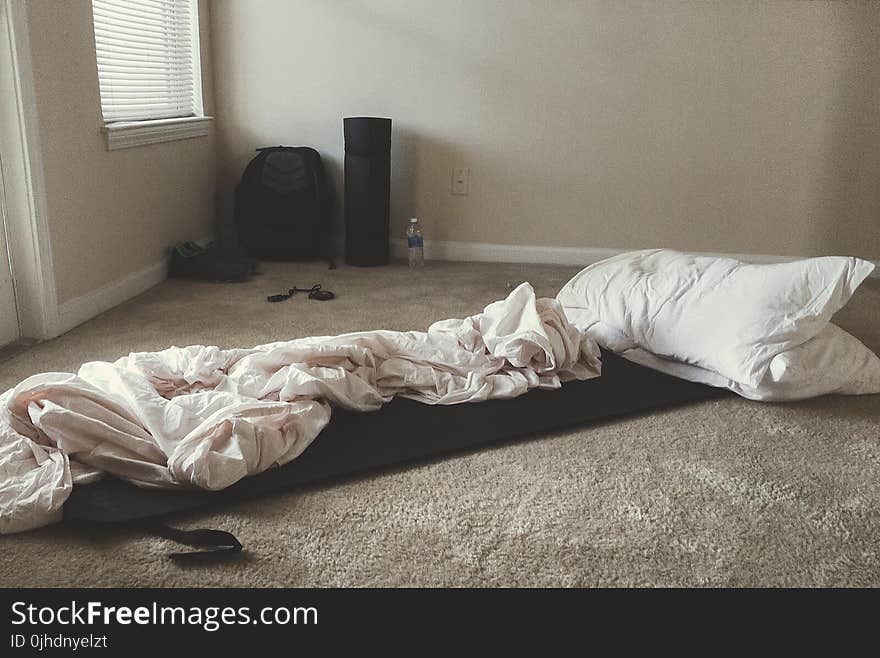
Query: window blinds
x,y
148,66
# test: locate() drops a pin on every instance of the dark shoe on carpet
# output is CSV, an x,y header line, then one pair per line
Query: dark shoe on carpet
x,y
211,263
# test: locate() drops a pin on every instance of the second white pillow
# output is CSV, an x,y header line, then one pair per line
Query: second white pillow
x,y
834,361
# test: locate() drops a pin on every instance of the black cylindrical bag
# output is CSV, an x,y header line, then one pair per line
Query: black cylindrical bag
x,y
367,190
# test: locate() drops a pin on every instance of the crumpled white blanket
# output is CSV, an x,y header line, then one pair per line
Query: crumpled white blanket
x,y
205,417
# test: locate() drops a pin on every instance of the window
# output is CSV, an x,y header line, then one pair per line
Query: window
x,y
148,70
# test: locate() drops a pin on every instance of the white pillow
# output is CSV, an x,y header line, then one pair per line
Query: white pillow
x,y
834,361
724,316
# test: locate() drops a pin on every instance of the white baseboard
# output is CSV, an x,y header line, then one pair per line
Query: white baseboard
x,y
74,312
583,256
80,309
506,253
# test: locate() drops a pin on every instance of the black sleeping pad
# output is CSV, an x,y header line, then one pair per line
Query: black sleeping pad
x,y
407,431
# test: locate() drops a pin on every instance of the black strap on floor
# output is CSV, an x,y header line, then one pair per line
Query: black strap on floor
x,y
315,292
209,544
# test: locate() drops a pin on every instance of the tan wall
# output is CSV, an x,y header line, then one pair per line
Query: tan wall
x,y
111,213
744,127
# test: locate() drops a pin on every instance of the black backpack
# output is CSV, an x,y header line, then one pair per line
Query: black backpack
x,y
282,205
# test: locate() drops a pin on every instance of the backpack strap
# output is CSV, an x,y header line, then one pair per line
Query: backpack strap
x,y
208,543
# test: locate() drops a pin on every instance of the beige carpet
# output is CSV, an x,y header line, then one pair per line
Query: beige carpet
x,y
727,492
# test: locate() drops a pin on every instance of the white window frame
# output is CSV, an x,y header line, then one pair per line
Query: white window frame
x,y
129,134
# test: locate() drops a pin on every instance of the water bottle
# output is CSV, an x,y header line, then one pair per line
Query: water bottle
x,y
415,243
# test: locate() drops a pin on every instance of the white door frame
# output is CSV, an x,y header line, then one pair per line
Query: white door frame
x,y
9,328
27,225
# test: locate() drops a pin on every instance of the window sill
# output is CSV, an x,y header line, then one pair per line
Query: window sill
x,y
128,134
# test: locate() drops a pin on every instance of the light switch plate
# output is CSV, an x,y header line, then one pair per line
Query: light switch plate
x,y
461,180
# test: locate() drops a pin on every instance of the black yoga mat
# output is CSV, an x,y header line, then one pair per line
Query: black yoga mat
x,y
406,431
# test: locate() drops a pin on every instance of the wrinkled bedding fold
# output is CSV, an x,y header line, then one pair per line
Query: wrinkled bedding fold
x,y
206,417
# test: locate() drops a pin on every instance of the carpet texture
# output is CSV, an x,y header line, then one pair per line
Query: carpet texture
x,y
722,493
